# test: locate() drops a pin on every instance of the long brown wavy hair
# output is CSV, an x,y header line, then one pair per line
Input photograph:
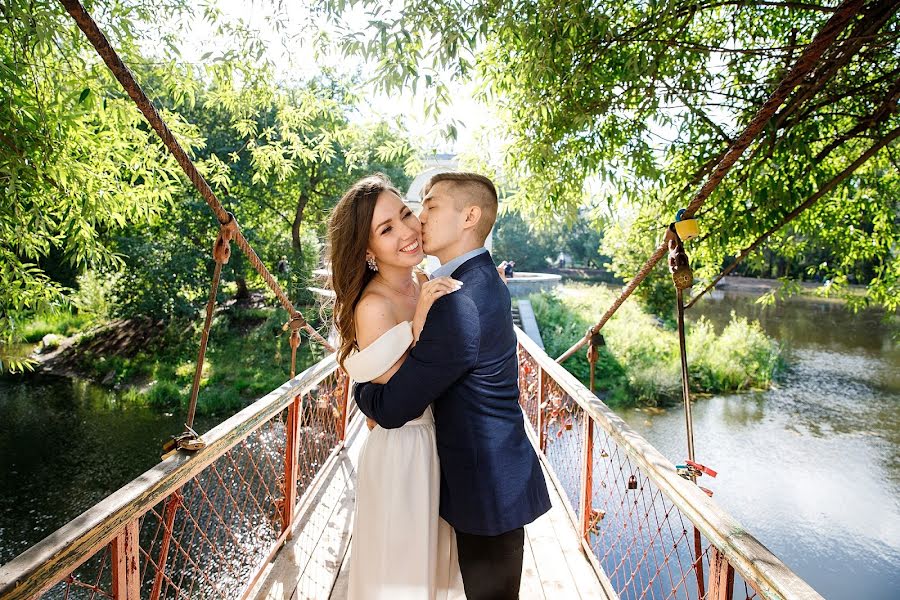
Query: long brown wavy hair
x,y
348,238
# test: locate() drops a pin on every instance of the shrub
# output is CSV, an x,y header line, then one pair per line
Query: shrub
x,y
219,400
60,322
96,294
164,394
641,363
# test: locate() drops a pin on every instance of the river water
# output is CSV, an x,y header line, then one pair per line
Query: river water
x,y
64,446
811,467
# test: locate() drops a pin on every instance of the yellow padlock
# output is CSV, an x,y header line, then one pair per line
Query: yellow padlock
x,y
687,229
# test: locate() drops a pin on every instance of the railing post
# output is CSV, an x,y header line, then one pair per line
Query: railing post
x,y
126,577
542,396
587,477
291,449
345,404
587,457
721,576
172,503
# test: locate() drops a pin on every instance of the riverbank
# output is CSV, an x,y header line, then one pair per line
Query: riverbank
x,y
812,465
760,285
152,363
640,364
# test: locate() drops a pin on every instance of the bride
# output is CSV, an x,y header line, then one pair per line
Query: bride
x,y
401,549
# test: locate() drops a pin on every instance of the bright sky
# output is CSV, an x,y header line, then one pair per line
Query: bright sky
x,y
294,54
296,59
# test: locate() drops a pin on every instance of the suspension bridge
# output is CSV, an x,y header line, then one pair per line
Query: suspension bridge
x,y
261,505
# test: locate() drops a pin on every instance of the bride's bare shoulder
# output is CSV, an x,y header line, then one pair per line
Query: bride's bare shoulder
x,y
374,316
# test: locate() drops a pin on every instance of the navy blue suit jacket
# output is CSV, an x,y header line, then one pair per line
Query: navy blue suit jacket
x,y
465,364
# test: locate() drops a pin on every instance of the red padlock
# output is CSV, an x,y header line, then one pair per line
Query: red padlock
x,y
701,468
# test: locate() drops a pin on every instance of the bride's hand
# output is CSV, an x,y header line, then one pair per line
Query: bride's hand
x,y
431,291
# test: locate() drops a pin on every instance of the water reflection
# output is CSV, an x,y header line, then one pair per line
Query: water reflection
x,y
65,445
811,467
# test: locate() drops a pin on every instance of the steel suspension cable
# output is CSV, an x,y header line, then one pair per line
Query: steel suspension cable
x,y
804,65
121,72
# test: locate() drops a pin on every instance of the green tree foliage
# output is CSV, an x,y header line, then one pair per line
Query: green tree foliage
x,y
76,161
537,248
278,157
644,98
514,239
85,184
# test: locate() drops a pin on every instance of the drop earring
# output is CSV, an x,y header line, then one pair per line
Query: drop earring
x,y
370,260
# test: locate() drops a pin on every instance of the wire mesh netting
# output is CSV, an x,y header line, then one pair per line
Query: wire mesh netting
x,y
641,541
213,535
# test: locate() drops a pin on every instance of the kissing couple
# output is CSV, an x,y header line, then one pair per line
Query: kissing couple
x,y
448,478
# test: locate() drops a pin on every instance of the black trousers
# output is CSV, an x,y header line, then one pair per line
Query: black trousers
x,y
491,565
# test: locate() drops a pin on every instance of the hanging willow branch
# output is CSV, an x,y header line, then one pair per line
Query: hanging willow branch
x,y
805,65
824,190
128,82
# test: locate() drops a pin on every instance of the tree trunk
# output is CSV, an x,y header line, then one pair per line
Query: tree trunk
x,y
242,291
240,278
302,201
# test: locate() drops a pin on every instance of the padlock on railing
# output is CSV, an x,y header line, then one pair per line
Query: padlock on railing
x,y
703,469
593,525
190,441
679,265
685,228
691,470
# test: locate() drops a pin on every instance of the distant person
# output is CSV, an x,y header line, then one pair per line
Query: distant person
x,y
509,270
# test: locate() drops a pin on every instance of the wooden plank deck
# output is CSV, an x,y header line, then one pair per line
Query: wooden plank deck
x,y
554,565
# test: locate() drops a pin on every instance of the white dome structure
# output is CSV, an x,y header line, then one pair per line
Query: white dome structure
x,y
438,163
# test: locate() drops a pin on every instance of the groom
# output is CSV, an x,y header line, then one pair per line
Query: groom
x,y
465,363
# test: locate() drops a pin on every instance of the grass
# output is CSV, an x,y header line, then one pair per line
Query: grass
x,y
61,322
248,356
640,363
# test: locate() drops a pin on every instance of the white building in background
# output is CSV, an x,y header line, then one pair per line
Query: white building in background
x,y
438,163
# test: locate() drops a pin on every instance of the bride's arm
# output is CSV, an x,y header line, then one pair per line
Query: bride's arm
x,y
375,317
428,293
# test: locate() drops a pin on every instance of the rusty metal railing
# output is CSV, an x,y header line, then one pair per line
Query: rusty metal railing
x,y
648,532
205,524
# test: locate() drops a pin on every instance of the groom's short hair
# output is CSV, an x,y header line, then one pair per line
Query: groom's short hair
x,y
471,189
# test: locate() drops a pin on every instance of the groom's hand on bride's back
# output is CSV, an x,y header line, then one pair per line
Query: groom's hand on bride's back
x,y
446,350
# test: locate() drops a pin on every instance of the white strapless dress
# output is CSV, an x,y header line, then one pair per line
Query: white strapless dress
x,y
401,549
